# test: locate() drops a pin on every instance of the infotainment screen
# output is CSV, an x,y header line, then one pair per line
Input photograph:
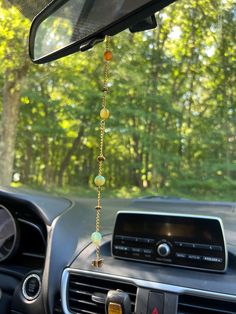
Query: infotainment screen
x,y
178,228
178,240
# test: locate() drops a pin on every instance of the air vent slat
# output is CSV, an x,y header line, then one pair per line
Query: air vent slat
x,y
88,286
82,311
75,291
81,289
82,302
204,308
196,305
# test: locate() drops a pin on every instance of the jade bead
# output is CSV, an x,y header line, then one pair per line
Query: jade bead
x,y
96,238
104,114
99,180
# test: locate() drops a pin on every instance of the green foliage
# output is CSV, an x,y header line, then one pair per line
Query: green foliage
x,y
172,101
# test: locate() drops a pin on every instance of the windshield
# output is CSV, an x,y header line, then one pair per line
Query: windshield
x,y
172,102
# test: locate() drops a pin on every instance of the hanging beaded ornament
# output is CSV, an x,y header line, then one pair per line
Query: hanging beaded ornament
x,y
100,180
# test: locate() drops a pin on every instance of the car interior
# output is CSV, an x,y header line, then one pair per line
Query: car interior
x,y
160,255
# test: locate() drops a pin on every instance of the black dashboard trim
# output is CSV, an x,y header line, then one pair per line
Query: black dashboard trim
x,y
35,226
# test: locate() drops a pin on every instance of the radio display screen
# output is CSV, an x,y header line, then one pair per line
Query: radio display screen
x,y
200,230
178,240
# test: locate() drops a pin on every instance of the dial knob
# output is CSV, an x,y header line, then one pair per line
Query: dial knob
x,y
163,249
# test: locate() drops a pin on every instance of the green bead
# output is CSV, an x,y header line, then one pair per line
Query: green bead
x,y
99,180
96,238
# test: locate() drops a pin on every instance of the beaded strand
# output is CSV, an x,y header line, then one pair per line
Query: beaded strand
x,y
100,180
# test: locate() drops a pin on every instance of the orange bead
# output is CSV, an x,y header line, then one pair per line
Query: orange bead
x,y
108,55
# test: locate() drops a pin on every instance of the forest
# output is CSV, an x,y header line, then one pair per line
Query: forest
x,y
172,103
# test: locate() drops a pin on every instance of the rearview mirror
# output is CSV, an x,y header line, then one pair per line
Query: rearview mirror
x,y
67,26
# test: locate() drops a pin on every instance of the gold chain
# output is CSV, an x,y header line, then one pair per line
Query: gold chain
x,y
96,237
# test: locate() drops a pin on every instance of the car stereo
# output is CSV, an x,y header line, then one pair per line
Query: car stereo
x,y
177,240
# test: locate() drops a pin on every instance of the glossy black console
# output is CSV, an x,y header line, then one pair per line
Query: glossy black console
x,y
178,240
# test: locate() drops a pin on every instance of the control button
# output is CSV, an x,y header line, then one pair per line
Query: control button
x,y
147,251
163,249
217,248
189,245
122,248
31,287
148,241
212,259
202,246
155,303
142,240
180,255
179,244
194,257
131,239
185,244
126,249
136,250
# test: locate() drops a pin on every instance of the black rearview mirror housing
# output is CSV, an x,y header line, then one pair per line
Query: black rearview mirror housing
x,y
67,26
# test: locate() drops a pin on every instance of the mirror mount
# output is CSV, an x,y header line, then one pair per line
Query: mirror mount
x,y
91,43
148,23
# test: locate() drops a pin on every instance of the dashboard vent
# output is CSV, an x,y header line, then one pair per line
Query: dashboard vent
x,y
196,305
82,288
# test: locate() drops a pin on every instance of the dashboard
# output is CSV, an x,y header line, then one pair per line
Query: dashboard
x,y
46,255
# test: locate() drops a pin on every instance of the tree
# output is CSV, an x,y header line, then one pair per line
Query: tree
x,y
14,67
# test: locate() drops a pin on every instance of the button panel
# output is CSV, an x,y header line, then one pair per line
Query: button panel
x,y
198,255
134,239
178,240
133,251
200,246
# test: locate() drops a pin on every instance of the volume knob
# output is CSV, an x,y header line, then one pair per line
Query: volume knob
x,y
163,250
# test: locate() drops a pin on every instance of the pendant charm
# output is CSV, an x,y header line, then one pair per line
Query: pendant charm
x,y
97,263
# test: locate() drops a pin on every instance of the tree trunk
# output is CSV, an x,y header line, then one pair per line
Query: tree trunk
x,y
27,164
46,150
13,82
68,156
11,96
